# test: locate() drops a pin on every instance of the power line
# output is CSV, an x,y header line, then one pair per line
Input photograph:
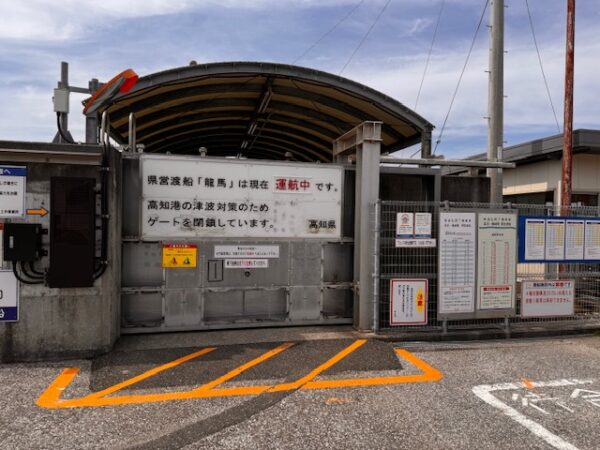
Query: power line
x,y
331,30
429,54
439,139
362,41
541,65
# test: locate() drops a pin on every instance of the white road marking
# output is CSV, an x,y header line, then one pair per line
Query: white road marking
x,y
484,392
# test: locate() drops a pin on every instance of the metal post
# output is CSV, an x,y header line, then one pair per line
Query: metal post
x,y
64,84
91,121
365,140
496,97
567,156
426,144
376,256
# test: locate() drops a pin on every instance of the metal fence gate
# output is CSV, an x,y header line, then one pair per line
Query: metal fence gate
x,y
423,263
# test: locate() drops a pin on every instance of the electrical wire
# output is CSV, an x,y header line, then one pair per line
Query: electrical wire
x,y
18,277
61,132
27,274
439,139
437,24
33,269
364,38
541,65
331,30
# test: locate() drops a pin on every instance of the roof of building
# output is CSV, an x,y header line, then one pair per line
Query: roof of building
x,y
584,141
261,110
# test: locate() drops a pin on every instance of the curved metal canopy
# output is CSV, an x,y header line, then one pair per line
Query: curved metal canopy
x,y
258,110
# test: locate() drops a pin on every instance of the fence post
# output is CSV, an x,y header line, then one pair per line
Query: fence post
x,y
376,256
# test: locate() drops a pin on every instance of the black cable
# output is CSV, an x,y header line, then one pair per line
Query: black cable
x,y
541,65
14,268
61,132
437,25
364,38
331,30
439,139
33,269
27,274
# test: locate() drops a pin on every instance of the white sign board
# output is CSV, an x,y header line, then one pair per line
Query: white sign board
x,y
497,260
12,191
415,243
574,239
555,239
246,251
246,263
592,239
535,244
422,225
9,297
201,197
544,298
457,262
408,301
405,225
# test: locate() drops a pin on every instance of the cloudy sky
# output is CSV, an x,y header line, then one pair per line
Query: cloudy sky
x,y
101,38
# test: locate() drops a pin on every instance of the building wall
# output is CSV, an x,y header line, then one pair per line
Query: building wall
x,y
73,322
545,176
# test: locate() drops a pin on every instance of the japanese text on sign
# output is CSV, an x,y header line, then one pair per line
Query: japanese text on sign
x,y
547,298
408,301
185,197
12,191
180,256
496,260
457,262
9,297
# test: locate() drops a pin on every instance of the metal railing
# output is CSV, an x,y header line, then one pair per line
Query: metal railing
x,y
423,263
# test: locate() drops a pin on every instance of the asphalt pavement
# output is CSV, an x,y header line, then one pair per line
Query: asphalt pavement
x,y
308,389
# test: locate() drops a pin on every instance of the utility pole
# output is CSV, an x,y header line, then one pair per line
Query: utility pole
x,y
567,156
496,98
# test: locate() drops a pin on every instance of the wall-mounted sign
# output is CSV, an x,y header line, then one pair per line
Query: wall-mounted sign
x,y
12,191
559,239
246,251
496,260
413,230
200,197
408,301
457,257
246,263
179,256
544,298
9,297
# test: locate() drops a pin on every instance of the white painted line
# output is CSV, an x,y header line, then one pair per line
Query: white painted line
x,y
484,392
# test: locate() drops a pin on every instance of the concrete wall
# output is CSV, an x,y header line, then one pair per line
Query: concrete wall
x,y
73,322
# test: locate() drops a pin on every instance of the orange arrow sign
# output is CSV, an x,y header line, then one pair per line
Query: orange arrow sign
x,y
37,212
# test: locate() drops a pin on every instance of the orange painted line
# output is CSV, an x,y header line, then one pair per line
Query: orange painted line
x,y
238,370
51,396
528,384
150,373
326,365
429,374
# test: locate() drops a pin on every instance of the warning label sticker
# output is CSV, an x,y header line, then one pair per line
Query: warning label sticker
x,y
179,256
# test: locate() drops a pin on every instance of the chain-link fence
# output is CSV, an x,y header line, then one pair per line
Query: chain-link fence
x,y
422,263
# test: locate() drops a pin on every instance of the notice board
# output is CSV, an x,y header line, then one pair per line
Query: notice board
x,y
477,264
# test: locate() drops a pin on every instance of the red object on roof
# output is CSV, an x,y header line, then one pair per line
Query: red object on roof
x,y
120,84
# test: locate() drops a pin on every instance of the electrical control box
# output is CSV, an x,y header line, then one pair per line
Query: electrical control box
x,y
72,232
61,100
22,241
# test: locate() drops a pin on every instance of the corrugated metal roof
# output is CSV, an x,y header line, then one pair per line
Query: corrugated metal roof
x,y
261,110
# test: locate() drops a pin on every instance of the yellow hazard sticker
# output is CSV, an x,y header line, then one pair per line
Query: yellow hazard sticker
x,y
179,256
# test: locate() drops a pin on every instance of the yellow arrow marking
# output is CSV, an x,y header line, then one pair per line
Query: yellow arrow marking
x,y
51,397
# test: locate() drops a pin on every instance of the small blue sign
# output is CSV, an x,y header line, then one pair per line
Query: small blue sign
x,y
12,171
9,314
